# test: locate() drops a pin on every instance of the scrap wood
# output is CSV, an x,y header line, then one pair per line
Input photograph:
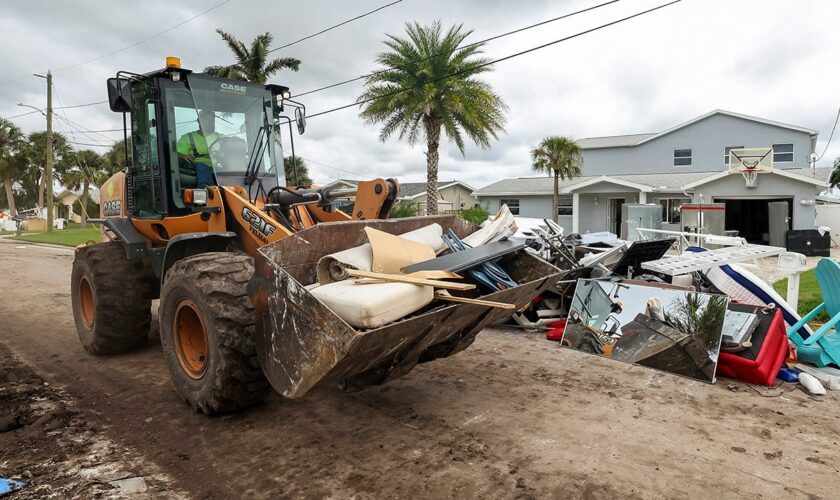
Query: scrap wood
x,y
444,295
402,278
391,252
434,275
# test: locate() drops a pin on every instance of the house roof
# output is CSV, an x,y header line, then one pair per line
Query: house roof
x,y
93,194
349,182
659,182
616,141
612,141
410,190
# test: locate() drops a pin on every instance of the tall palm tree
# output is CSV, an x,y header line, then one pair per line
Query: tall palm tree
x,y
252,65
115,157
11,140
84,168
297,167
36,152
560,157
428,85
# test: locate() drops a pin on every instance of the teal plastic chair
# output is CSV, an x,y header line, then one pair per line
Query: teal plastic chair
x,y
822,348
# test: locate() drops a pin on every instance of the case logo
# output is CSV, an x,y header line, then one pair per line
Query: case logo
x,y
112,208
234,88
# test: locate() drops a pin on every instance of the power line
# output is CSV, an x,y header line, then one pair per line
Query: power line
x,y
107,130
60,107
82,105
313,35
501,59
74,130
82,129
127,46
339,169
89,144
496,37
830,136
307,37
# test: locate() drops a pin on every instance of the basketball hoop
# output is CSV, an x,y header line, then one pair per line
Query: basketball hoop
x,y
749,162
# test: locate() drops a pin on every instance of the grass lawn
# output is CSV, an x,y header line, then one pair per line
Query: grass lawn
x,y
810,295
70,237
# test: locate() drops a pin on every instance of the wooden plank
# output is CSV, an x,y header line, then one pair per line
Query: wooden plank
x,y
408,279
442,295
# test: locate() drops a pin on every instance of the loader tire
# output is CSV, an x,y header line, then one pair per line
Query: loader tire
x,y
207,332
111,298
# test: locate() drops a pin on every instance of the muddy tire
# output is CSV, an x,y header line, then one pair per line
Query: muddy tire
x,y
111,298
207,332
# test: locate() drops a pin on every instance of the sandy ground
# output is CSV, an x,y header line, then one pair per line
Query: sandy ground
x,y
513,416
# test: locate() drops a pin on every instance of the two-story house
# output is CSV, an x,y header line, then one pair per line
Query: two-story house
x,y
688,163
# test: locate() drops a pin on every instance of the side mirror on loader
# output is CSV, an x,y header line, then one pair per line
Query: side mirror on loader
x,y
300,119
119,95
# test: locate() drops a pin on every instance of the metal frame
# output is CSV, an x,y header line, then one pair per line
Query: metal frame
x,y
700,261
683,239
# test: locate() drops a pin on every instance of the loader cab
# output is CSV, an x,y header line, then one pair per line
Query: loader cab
x,y
236,126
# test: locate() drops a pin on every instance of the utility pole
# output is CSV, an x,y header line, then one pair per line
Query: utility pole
x,y
49,164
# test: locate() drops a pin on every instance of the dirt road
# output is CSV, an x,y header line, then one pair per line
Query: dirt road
x,y
513,416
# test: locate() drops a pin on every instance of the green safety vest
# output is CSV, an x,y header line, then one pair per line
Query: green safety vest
x,y
196,143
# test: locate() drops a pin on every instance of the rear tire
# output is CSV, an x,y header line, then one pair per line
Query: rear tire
x,y
207,332
112,299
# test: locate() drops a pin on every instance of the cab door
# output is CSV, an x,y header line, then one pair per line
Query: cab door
x,y
144,179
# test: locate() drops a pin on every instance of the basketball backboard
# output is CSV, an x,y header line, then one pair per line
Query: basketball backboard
x,y
749,162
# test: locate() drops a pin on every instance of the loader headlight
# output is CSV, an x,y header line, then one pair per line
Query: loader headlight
x,y
195,196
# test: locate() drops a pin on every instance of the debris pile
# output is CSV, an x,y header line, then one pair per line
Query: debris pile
x,y
697,312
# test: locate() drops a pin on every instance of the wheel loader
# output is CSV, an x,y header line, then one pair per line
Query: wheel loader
x,y
204,219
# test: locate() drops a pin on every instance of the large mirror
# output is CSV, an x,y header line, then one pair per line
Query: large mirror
x,y
660,327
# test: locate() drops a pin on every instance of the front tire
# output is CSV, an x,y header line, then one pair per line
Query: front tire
x,y
111,298
207,332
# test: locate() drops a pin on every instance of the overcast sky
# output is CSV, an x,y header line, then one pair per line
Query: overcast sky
x,y
773,59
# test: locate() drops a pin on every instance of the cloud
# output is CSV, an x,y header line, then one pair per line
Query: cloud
x,y
772,60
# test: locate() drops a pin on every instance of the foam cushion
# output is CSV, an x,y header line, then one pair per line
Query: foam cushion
x,y
373,305
760,363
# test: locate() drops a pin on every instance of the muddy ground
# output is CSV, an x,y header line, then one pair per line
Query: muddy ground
x,y
513,416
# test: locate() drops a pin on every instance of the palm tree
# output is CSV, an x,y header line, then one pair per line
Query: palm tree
x,y
36,152
558,156
252,64
834,180
85,167
428,85
11,140
299,167
114,158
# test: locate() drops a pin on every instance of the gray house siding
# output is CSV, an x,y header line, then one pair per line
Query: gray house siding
x,y
769,187
707,139
538,207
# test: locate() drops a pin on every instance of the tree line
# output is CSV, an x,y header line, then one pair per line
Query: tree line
x,y
23,162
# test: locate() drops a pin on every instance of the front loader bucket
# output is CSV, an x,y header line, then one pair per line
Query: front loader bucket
x,y
301,343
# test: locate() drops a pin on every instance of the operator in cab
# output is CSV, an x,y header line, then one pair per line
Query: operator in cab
x,y
194,148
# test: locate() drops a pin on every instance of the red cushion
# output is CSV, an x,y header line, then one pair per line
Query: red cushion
x,y
556,332
763,369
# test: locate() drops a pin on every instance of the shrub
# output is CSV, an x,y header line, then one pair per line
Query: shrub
x,y
404,208
476,215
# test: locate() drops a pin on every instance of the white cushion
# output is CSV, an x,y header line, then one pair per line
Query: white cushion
x,y
373,305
